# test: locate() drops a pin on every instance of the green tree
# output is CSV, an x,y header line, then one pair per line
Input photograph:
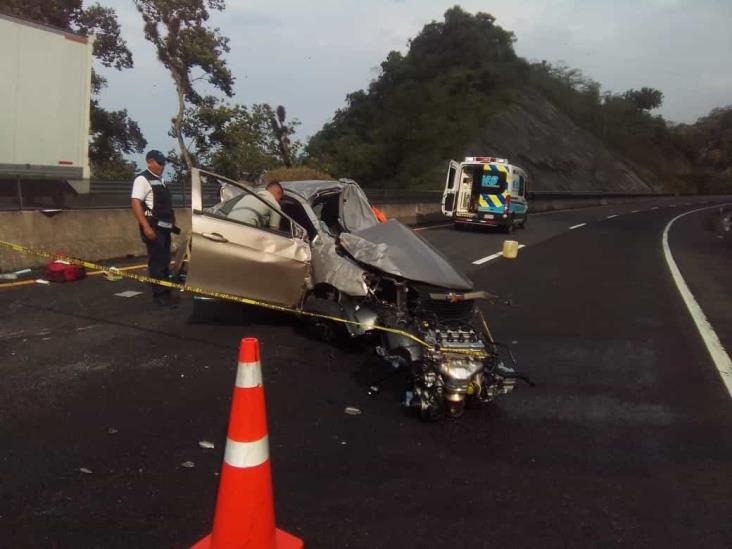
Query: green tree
x,y
644,99
113,133
237,141
424,106
183,42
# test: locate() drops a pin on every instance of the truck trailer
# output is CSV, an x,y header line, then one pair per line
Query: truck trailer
x,y
44,102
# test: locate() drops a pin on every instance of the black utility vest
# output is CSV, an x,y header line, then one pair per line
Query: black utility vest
x,y
162,214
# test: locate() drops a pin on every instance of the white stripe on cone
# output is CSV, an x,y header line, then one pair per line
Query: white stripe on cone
x,y
249,375
246,454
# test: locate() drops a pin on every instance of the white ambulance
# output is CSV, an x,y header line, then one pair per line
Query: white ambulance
x,y
486,191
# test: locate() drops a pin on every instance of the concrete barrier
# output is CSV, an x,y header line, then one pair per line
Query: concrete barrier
x,y
430,212
90,234
112,233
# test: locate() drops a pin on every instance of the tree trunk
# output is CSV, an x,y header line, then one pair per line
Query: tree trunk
x,y
177,125
178,121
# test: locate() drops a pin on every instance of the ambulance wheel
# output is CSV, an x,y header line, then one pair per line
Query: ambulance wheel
x,y
508,228
523,223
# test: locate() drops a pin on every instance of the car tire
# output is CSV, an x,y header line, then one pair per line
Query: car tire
x,y
459,226
523,223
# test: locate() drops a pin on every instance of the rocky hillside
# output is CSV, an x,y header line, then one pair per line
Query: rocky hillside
x,y
558,154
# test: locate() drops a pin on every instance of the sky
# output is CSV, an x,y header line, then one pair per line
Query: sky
x,y
308,56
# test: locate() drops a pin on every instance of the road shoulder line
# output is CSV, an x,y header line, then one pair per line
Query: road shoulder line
x,y
709,336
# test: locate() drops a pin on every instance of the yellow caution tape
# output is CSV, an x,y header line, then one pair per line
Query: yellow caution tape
x,y
121,272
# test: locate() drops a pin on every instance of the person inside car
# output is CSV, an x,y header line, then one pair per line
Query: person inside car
x,y
261,209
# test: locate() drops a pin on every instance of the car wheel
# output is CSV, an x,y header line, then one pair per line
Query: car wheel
x,y
459,226
523,223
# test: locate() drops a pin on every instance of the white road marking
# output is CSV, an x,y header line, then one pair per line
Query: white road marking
x,y
488,258
711,340
654,208
611,216
577,226
635,211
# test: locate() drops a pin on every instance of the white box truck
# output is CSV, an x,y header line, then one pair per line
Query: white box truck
x,y
44,101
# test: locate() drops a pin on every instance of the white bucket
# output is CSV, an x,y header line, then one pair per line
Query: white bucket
x,y
510,249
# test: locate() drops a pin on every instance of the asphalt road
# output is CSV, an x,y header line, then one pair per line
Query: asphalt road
x,y
624,441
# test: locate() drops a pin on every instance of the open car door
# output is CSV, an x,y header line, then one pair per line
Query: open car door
x,y
448,196
244,245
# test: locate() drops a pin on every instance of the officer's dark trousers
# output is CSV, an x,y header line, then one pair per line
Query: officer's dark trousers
x,y
158,259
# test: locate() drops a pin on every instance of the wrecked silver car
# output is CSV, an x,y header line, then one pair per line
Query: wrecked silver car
x,y
323,253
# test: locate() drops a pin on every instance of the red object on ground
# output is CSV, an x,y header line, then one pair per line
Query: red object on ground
x,y
59,270
244,515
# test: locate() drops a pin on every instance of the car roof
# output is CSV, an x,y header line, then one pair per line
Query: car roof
x,y
309,188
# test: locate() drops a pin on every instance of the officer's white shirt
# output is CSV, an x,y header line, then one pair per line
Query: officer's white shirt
x,y
142,189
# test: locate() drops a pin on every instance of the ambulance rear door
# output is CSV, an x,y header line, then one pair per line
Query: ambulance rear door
x,y
449,195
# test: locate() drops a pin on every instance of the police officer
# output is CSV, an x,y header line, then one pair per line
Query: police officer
x,y
152,206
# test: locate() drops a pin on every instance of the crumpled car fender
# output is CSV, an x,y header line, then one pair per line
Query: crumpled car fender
x,y
329,267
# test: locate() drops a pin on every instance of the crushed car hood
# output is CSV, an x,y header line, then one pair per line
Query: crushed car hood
x,y
397,250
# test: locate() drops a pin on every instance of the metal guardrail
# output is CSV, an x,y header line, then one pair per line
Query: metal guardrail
x,y
59,195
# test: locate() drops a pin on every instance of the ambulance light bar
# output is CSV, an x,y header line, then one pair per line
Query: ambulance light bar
x,y
485,159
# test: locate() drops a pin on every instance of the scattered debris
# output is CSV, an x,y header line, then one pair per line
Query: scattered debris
x,y
112,275
14,275
206,444
128,293
188,464
11,335
41,281
86,471
352,411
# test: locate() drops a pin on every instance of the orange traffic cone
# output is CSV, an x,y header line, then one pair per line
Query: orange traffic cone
x,y
244,514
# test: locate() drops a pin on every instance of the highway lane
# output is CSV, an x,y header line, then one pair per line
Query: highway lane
x,y
480,242
623,442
